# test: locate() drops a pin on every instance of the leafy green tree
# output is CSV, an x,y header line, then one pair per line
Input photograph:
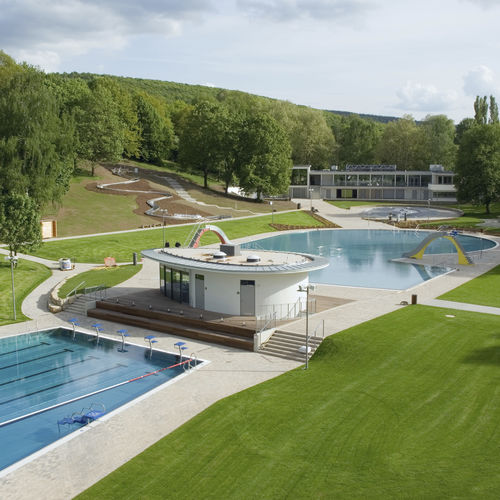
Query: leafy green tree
x,y
462,127
200,145
493,110
156,132
36,138
399,144
101,131
19,223
478,166
481,110
265,156
357,139
437,145
311,139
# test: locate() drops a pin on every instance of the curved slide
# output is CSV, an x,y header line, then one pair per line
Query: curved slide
x,y
202,230
418,252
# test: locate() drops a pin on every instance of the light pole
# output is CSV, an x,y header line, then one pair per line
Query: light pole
x,y
163,225
311,197
13,264
272,212
306,289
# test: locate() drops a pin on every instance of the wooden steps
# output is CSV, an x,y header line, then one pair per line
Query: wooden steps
x,y
217,333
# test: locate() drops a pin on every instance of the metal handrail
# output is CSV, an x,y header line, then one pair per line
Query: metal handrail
x,y
273,318
317,326
75,289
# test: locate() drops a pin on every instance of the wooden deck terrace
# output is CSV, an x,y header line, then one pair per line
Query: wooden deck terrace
x,y
151,310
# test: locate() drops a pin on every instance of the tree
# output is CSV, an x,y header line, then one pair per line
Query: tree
x,y
200,145
36,138
357,139
265,156
462,127
493,110
478,165
399,144
19,223
481,110
101,131
156,132
437,144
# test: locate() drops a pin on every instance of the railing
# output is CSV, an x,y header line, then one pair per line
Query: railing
x,y
322,323
97,292
73,292
286,311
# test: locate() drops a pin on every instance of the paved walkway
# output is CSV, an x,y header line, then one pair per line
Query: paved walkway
x,y
66,470
463,306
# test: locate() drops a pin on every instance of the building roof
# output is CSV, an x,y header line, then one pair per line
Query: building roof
x,y
269,262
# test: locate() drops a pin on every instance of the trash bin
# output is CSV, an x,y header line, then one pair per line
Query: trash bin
x,y
134,258
298,206
65,264
413,299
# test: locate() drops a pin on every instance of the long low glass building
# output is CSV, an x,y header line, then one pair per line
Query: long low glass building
x,y
374,182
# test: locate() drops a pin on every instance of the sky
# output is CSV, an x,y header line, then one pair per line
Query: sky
x,y
384,57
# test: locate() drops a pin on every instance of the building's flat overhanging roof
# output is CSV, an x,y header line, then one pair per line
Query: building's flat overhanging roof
x,y
270,261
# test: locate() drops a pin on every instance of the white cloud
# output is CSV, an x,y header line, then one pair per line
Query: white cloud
x,y
419,97
43,31
288,10
481,81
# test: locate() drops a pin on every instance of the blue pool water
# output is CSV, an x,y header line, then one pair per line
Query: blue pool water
x,y
362,257
43,369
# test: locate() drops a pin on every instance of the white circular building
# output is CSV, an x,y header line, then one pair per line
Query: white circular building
x,y
230,280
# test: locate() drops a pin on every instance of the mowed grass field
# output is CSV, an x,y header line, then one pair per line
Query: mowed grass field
x,y
27,276
404,406
483,290
121,246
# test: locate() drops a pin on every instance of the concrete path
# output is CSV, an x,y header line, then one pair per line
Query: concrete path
x,y
347,219
464,306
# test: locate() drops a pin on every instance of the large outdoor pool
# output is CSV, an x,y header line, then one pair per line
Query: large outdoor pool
x,y
363,257
48,376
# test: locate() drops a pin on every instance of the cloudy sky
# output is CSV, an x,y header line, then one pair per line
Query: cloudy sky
x,y
387,57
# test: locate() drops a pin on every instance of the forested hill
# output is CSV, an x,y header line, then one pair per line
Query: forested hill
x,y
376,118
173,91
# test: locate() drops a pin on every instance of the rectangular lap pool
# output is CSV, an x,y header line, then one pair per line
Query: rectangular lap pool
x,y
49,379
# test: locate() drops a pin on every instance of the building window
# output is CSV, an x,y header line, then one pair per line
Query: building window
x,y
299,177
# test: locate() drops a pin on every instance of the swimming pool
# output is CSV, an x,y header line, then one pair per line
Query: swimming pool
x,y
363,257
49,375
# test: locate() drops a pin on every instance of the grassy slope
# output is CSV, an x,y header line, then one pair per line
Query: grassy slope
x,y
483,290
27,276
121,246
404,406
86,212
107,276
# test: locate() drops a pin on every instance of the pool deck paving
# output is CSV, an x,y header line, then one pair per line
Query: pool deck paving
x,y
97,449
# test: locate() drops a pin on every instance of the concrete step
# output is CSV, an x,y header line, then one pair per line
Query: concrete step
x,y
287,344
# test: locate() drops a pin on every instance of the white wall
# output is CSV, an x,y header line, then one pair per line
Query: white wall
x,y
222,290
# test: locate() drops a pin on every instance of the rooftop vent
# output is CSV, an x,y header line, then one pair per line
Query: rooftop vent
x,y
219,255
253,258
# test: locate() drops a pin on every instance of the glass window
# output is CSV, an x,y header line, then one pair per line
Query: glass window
x,y
400,180
388,180
426,180
299,177
185,287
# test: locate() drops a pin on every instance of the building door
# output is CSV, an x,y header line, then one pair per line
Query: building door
x,y
247,297
199,291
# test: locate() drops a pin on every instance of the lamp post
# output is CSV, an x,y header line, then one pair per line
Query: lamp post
x,y
272,212
306,289
311,197
13,264
163,225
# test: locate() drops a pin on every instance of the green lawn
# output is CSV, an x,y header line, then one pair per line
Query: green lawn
x,y
84,211
473,216
107,276
404,406
27,276
121,246
483,290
